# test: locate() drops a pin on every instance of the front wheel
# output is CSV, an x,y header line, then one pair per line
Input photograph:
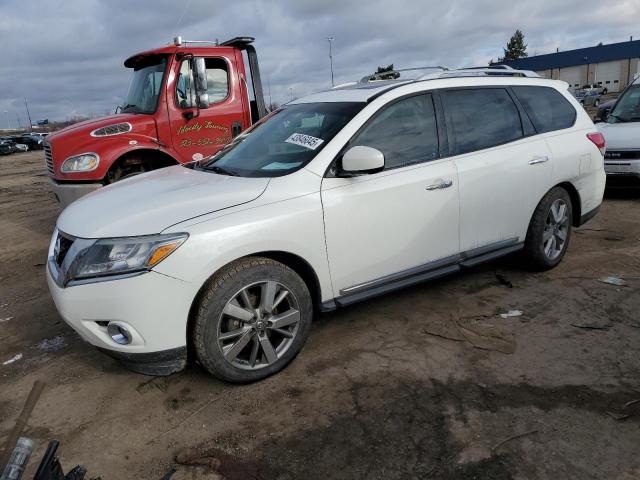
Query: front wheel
x,y
253,318
549,230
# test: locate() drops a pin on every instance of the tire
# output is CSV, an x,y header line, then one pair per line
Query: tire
x,y
545,227
596,103
605,91
236,358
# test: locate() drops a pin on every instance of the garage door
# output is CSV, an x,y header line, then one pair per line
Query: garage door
x,y
573,76
608,74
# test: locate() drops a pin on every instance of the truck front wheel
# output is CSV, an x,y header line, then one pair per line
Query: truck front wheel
x,y
128,167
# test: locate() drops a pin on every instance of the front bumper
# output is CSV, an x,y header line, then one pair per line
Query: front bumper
x,y
152,306
66,193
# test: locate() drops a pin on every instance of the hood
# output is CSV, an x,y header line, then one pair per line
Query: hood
x,y
91,125
623,136
151,202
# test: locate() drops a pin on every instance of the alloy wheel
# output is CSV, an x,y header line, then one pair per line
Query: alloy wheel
x,y
258,325
556,229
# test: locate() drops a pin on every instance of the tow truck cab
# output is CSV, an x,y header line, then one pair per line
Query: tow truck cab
x,y
185,102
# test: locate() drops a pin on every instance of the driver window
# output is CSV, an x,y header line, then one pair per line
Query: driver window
x,y
405,132
217,82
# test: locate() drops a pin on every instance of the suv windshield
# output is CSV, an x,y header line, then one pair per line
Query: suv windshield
x,y
285,142
145,85
628,107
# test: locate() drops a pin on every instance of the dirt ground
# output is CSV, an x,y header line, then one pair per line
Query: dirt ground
x,y
425,383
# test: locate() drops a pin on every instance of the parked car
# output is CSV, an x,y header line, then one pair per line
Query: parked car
x,y
597,87
622,133
33,142
603,110
7,147
336,198
588,98
15,141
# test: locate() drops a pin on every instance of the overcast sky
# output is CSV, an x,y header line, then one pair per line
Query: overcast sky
x,y
66,56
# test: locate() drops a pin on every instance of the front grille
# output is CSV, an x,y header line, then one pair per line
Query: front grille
x,y
622,155
62,246
48,158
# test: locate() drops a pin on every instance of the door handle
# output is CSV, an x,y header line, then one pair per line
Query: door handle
x,y
538,159
440,184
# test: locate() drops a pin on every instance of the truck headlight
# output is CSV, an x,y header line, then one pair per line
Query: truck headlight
x,y
117,256
85,162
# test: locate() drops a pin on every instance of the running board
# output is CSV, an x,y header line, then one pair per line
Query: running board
x,y
423,273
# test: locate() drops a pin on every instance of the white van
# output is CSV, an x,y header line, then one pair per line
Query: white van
x,y
335,198
622,134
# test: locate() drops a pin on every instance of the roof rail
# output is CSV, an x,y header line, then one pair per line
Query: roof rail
x,y
395,74
480,72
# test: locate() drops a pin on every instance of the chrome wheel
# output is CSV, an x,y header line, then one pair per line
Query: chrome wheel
x,y
556,229
258,325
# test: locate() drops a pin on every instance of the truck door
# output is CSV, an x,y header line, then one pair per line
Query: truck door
x,y
200,132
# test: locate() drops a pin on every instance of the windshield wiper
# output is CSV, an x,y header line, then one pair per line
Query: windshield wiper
x,y
128,108
221,170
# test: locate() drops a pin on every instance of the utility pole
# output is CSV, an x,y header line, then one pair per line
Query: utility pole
x,y
28,114
330,40
6,112
18,121
269,89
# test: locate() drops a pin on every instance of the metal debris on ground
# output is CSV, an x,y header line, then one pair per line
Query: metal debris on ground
x,y
613,281
13,359
512,313
2,320
52,344
592,326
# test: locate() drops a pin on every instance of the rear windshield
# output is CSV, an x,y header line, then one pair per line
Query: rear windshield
x,y
546,107
285,142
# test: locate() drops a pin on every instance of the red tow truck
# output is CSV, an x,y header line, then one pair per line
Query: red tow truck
x,y
185,102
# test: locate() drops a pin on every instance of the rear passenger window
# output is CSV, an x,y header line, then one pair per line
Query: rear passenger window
x,y
547,108
404,131
481,118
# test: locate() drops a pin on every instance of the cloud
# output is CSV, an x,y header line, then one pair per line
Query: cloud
x,y
67,57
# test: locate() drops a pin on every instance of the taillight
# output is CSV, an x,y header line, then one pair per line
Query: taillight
x,y
598,139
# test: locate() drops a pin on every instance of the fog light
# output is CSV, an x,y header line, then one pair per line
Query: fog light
x,y
119,334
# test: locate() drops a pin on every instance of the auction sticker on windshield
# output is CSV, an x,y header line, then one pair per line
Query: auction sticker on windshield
x,y
303,140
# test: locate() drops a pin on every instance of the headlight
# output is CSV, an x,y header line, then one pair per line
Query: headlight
x,y
116,256
80,163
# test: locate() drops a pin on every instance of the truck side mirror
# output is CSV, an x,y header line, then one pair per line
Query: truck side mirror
x,y
200,82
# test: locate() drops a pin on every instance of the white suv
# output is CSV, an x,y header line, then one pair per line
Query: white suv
x,y
337,197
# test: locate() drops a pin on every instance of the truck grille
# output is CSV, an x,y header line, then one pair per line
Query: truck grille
x,y
622,154
48,158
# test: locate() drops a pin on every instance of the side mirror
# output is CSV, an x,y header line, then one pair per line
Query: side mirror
x,y
200,82
361,159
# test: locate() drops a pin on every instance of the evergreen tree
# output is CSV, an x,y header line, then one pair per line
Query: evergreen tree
x,y
516,47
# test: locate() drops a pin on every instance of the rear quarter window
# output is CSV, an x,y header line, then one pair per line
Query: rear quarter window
x,y
546,107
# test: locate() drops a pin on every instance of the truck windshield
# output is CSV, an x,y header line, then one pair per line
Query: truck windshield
x,y
145,85
285,142
628,107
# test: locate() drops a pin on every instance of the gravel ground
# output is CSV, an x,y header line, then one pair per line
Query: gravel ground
x,y
426,383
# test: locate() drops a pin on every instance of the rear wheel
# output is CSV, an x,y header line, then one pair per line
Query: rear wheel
x,y
550,230
253,319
